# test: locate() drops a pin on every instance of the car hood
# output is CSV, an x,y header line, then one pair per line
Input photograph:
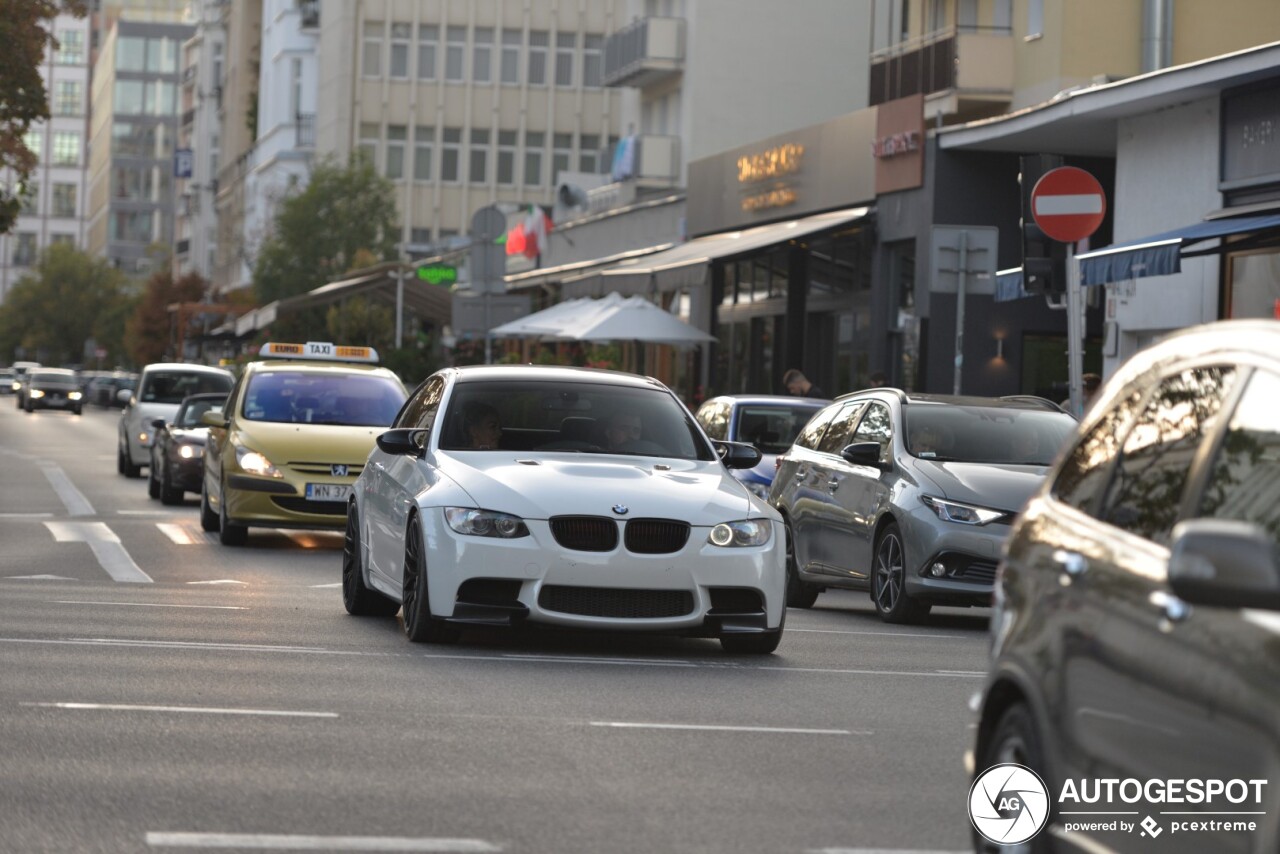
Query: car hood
x,y
699,492
1000,487
312,443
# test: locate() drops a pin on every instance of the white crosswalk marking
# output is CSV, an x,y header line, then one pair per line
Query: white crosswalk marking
x,y
105,545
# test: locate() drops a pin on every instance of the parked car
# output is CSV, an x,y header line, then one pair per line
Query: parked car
x,y
562,496
909,496
769,422
1137,606
177,455
104,390
294,434
17,385
51,388
161,389
7,379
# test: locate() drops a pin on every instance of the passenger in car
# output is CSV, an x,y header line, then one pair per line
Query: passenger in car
x,y
482,425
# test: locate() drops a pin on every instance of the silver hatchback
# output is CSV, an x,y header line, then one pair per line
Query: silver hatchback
x,y
910,496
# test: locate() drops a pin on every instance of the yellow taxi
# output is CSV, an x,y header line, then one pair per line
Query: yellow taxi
x,y
293,435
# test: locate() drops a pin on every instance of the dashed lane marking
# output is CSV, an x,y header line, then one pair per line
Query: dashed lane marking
x,y
722,728
149,605
72,498
292,842
105,545
197,710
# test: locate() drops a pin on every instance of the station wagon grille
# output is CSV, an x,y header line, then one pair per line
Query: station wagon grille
x,y
656,536
615,602
585,533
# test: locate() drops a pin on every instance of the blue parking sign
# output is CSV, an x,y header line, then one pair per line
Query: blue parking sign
x,y
184,162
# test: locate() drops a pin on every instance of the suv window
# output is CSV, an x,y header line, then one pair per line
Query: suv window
x,y
1084,474
876,426
812,432
1246,466
837,435
1145,492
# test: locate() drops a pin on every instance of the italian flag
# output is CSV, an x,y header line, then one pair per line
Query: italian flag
x,y
529,235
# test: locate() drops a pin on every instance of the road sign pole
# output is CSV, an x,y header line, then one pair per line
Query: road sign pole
x,y
961,273
1075,331
399,306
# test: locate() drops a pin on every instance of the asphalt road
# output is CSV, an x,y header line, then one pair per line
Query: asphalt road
x,y
162,693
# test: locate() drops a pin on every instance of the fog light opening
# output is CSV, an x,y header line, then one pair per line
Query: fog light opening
x,y
938,570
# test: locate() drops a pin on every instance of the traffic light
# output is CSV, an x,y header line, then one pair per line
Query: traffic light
x,y
1044,260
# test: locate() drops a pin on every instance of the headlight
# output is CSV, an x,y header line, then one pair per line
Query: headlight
x,y
749,532
191,452
255,463
761,490
35,394
962,514
15,385
485,523
75,395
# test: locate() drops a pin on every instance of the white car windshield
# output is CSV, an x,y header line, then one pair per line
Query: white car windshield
x,y
570,417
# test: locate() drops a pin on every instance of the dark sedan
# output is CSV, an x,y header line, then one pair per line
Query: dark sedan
x,y
177,456
52,388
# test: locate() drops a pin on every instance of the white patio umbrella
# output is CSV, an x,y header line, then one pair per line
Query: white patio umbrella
x,y
633,319
552,321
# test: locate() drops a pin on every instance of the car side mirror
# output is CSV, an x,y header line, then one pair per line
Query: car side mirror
x,y
124,395
403,441
157,423
738,455
214,418
863,454
1224,562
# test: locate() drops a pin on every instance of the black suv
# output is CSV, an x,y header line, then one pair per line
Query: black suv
x,y
1136,623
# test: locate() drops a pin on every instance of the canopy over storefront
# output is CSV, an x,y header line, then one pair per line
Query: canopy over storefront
x,y
610,318
1162,254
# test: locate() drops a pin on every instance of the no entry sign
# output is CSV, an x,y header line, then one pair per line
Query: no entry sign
x,y
1068,204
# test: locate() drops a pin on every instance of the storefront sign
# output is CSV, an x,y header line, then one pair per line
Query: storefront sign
x,y
1250,138
898,145
438,274
902,142
770,163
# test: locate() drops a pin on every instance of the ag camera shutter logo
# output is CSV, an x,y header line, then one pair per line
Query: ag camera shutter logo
x,y
1008,804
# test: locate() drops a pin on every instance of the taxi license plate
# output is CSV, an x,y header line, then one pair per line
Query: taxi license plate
x,y
328,491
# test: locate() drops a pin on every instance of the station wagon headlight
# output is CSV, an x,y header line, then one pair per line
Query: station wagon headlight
x,y
75,395
255,463
35,394
485,523
749,532
962,514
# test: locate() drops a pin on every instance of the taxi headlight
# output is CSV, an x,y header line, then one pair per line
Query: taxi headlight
x,y
748,532
75,395
253,462
485,523
35,394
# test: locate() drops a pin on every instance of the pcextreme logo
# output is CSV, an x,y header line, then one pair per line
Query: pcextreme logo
x,y
1010,804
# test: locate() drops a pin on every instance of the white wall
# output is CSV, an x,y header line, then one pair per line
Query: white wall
x,y
1166,178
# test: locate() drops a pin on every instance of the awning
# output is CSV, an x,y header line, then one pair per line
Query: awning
x,y
546,275
685,266
1162,254
1009,285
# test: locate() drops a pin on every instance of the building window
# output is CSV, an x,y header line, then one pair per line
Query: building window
x,y
34,140
397,135
589,156
66,148
1035,18
371,63
533,142
128,97
29,204
370,136
450,151
419,237
400,36
64,200
1002,16
506,157
593,45
70,48
62,240
479,165
24,249
538,42
511,41
428,47
295,89
423,141
134,227
566,44
162,56
562,151
159,98
482,55
455,46
131,53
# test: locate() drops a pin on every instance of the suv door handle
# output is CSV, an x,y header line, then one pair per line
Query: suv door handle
x,y
1072,563
800,473
833,484
1174,609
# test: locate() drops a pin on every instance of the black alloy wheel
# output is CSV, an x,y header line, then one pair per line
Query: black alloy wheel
x,y
888,581
419,625
209,521
153,479
125,465
229,533
1014,740
799,593
357,598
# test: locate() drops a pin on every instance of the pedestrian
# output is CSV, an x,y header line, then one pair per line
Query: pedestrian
x,y
878,379
798,385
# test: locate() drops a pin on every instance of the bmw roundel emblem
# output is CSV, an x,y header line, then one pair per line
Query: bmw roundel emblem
x,y
621,509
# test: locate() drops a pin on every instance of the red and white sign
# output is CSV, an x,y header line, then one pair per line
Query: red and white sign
x,y
1068,204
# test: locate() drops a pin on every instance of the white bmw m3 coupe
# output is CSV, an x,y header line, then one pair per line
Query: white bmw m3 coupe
x,y
563,496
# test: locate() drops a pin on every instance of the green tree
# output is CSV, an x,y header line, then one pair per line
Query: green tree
x,y
25,33
148,330
67,299
319,233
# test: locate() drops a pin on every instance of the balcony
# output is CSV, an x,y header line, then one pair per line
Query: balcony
x,y
654,161
964,74
305,126
644,53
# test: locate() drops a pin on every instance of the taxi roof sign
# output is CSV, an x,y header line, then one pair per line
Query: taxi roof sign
x,y
319,350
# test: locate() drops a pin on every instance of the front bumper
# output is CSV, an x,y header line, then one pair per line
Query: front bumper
x,y
701,589
970,554
282,502
53,401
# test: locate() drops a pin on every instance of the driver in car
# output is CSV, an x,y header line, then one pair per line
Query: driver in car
x,y
623,427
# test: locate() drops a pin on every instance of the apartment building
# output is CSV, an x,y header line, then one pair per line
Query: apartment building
x,y
133,134
55,192
199,147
